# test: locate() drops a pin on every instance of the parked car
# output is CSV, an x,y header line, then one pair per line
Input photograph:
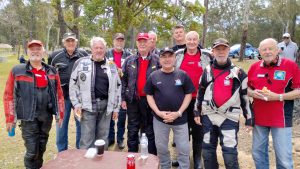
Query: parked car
x,y
250,51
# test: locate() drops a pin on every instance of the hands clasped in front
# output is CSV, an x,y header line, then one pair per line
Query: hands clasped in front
x,y
168,116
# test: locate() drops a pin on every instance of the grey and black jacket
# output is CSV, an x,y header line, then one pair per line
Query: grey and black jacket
x,y
82,85
61,60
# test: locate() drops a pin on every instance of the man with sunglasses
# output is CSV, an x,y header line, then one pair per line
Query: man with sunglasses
x,y
274,83
288,48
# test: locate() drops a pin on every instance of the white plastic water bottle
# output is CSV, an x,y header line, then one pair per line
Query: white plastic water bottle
x,y
144,146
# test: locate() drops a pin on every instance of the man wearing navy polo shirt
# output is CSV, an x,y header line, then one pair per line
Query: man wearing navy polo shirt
x,y
274,83
169,92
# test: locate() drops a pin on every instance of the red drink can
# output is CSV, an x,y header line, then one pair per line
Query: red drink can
x,y
130,161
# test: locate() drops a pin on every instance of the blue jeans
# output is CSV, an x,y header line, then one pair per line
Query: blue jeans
x,y
62,133
120,127
282,143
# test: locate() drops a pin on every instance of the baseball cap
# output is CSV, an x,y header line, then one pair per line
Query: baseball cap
x,y
142,36
37,42
69,35
165,50
219,42
286,35
119,36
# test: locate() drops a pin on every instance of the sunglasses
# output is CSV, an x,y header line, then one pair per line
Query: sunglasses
x,y
268,78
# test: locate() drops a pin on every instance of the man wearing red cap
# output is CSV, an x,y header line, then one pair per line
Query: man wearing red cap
x,y
136,70
32,95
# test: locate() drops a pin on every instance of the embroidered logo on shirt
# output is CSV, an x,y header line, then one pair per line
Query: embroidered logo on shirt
x,y
82,76
279,75
226,82
178,82
159,83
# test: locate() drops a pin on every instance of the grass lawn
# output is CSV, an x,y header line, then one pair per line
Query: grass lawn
x,y
12,148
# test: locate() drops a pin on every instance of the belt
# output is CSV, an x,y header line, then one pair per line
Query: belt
x,y
101,98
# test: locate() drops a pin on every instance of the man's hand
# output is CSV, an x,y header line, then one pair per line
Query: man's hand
x,y
124,105
77,112
197,120
249,129
257,94
9,126
60,121
115,116
171,116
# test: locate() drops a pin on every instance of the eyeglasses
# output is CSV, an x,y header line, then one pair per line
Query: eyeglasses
x,y
268,78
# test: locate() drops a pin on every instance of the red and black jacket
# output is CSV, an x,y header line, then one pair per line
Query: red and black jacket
x,y
19,95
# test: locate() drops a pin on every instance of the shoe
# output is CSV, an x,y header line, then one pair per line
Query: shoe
x,y
121,145
111,142
175,163
173,144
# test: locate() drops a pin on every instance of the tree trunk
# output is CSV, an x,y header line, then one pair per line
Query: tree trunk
x,y
76,13
245,30
61,20
204,24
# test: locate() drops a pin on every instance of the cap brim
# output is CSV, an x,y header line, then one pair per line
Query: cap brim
x,y
119,38
221,44
142,38
71,37
164,52
34,43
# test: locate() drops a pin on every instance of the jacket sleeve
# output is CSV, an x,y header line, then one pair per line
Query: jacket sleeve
x,y
118,95
245,102
60,98
124,80
74,90
200,94
8,99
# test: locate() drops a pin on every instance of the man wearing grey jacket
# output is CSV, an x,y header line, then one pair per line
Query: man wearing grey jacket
x,y
95,92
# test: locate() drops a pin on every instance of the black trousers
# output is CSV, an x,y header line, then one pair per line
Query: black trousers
x,y
35,133
196,131
139,114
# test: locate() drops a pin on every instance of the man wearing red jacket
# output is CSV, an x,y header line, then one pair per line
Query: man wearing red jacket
x,y
274,83
32,95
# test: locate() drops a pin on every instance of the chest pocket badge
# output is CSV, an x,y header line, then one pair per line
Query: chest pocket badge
x,y
83,77
178,82
279,75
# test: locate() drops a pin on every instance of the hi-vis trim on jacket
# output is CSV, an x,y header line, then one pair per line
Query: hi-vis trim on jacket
x,y
238,103
82,85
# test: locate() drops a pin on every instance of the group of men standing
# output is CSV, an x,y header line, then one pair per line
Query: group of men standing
x,y
186,89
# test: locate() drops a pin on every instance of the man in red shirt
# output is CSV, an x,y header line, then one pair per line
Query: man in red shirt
x,y
193,60
118,54
33,95
136,69
274,83
222,97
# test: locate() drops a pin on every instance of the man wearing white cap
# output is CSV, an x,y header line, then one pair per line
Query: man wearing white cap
x,y
288,47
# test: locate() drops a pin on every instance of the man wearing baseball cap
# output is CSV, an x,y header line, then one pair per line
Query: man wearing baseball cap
x,y
136,69
33,95
169,92
63,60
288,48
118,54
221,97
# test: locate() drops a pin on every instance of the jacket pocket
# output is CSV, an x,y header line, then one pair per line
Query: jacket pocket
x,y
20,109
